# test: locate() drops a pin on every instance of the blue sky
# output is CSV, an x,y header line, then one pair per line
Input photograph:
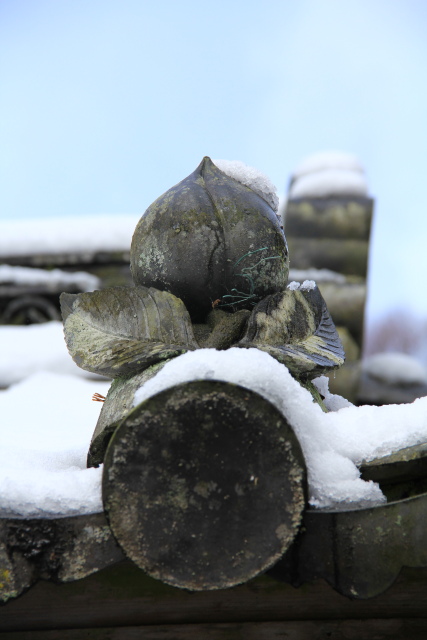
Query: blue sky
x,y
105,104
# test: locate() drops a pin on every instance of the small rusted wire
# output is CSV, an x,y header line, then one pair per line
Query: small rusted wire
x,y
98,398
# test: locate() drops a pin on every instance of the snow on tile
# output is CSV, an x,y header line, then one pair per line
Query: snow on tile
x,y
48,420
333,443
332,401
308,285
26,350
46,427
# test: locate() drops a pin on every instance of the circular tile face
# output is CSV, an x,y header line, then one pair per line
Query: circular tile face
x,y
204,485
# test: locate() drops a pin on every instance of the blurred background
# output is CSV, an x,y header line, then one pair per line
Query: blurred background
x,y
104,105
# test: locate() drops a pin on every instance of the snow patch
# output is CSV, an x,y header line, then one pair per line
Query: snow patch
x,y
329,182
395,369
53,280
88,234
329,173
318,275
45,432
26,350
332,401
308,285
324,160
252,178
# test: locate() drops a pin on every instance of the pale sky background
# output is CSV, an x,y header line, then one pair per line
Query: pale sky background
x,y
105,104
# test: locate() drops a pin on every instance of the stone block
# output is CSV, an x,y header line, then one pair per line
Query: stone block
x,y
345,217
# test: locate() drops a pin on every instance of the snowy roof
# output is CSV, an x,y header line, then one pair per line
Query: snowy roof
x,y
52,280
81,234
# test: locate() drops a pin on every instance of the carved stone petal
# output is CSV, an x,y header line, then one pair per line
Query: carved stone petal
x,y
296,328
123,330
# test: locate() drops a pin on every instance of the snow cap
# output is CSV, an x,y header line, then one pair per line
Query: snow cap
x,y
329,173
251,178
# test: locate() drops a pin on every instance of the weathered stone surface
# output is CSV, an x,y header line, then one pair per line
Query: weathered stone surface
x,y
117,405
359,552
345,217
345,301
333,233
221,331
224,328
210,238
346,256
58,549
373,391
400,475
123,330
16,573
204,485
350,346
295,328
346,380
346,304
